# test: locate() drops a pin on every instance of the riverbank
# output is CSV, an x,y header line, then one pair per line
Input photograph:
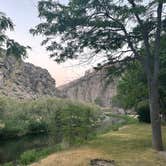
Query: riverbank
x,y
29,149
129,146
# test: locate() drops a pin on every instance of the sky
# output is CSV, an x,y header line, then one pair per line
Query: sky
x,y
24,14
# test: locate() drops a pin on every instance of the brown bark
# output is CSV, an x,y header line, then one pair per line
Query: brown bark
x,y
155,116
154,92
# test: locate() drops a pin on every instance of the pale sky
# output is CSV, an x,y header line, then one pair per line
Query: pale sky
x,y
24,15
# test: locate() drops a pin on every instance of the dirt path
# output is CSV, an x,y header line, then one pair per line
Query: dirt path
x,y
78,157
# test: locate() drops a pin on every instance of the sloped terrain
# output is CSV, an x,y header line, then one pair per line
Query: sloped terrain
x,y
130,146
24,80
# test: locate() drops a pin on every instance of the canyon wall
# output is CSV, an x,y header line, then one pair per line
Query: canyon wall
x,y
93,87
24,80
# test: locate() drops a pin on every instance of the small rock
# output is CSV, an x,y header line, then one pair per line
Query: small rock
x,y
101,162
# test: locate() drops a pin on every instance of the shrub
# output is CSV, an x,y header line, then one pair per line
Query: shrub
x,y
143,112
74,123
98,101
37,127
9,132
8,164
65,118
28,157
31,156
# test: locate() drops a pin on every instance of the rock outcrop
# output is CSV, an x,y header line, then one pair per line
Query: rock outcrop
x,y
24,80
93,87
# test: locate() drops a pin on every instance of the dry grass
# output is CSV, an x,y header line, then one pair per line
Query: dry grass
x,y
130,146
77,157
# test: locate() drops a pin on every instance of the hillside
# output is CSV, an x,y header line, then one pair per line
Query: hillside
x,y
93,87
24,80
128,146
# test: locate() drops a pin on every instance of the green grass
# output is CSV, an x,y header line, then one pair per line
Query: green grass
x,y
126,120
34,155
130,146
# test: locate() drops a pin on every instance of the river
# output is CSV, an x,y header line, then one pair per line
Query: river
x,y
11,149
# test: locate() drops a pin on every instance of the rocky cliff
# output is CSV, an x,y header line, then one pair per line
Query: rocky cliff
x,y
93,87
24,80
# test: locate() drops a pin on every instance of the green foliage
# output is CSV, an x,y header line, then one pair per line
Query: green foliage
x,y
8,164
66,120
37,127
125,145
73,122
8,132
143,112
33,155
11,47
120,121
98,101
28,157
100,26
118,31
78,123
132,87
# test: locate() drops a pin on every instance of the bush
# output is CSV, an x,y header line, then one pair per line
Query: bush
x,y
8,133
74,123
37,127
98,101
66,119
8,164
31,156
143,112
28,157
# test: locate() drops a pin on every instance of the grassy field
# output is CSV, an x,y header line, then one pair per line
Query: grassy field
x,y
130,146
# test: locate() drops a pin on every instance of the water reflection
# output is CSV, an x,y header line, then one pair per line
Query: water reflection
x,y
10,150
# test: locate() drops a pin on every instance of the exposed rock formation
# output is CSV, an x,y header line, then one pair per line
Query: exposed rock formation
x,y
93,87
24,80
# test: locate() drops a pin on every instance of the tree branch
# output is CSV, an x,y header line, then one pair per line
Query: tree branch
x,y
146,42
130,44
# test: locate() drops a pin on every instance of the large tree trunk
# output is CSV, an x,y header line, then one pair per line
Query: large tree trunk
x,y
155,115
153,82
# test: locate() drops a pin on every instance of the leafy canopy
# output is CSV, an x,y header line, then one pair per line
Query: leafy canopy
x,y
132,87
99,26
11,47
117,29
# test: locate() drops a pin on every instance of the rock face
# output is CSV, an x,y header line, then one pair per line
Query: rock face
x,y
24,80
93,87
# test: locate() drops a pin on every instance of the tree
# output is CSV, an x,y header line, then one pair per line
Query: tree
x,y
132,87
116,29
9,45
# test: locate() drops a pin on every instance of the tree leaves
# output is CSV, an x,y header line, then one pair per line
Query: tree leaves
x,y
12,48
103,26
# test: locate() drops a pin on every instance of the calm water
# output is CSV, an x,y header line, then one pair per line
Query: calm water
x,y
10,150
